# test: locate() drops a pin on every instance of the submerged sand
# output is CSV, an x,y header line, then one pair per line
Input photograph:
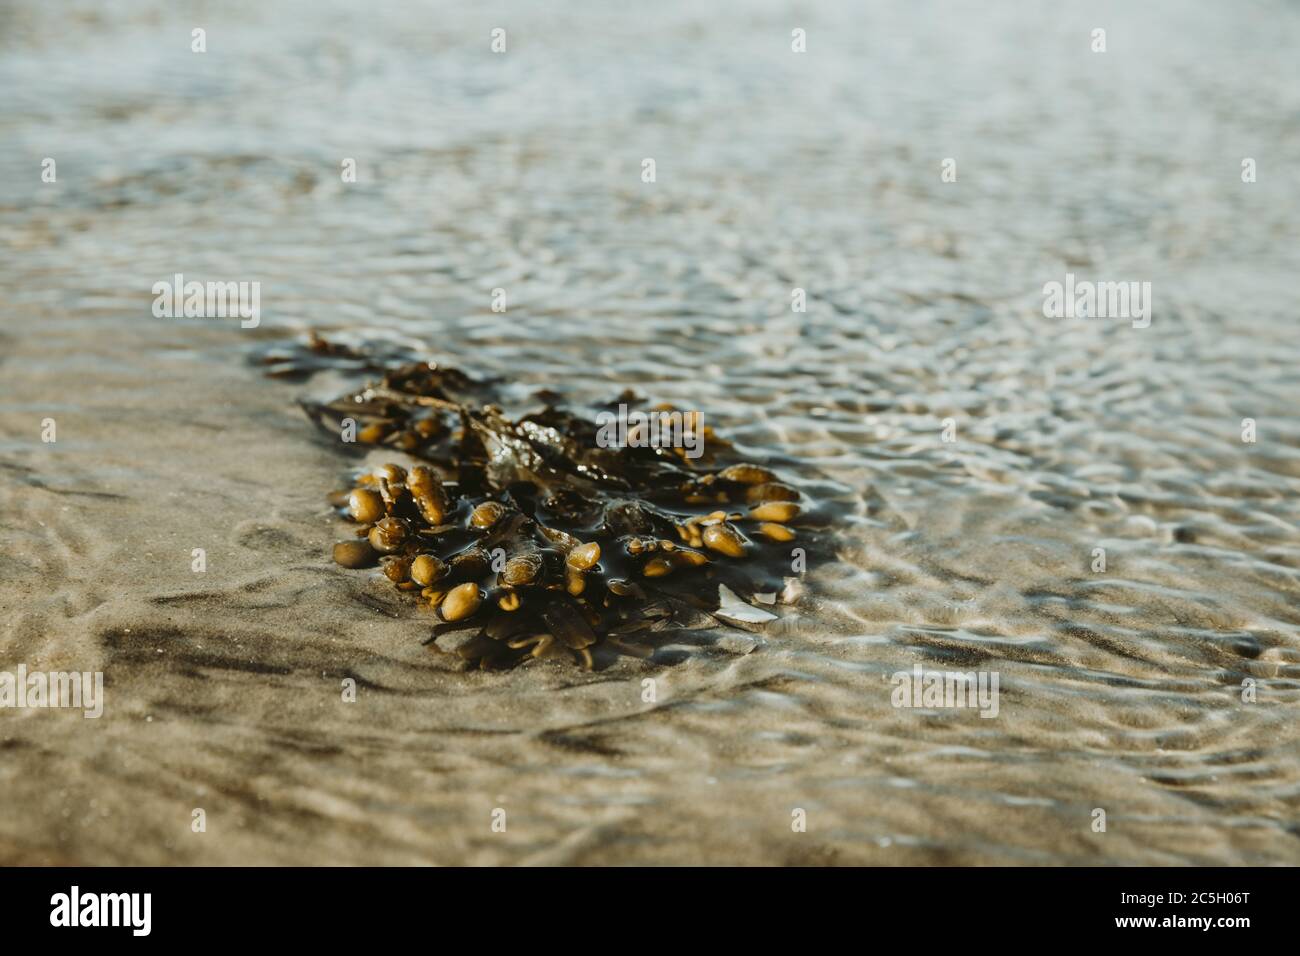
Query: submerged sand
x,y
1120,690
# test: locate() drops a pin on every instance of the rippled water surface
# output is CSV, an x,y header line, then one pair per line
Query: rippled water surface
x,y
1120,690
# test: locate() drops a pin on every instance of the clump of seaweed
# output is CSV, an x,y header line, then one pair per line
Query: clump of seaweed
x,y
528,539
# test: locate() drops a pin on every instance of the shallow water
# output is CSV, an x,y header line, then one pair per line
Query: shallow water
x,y
1119,690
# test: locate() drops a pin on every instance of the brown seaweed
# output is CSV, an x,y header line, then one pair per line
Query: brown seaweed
x,y
529,539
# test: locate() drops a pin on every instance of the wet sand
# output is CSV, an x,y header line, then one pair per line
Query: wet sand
x,y
1119,690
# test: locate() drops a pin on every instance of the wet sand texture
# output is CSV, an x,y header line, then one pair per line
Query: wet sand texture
x,y
1119,690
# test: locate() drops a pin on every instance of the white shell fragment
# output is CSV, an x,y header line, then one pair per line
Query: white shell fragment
x,y
792,592
735,611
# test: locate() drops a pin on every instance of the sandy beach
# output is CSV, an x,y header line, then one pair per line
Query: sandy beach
x,y
1122,689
